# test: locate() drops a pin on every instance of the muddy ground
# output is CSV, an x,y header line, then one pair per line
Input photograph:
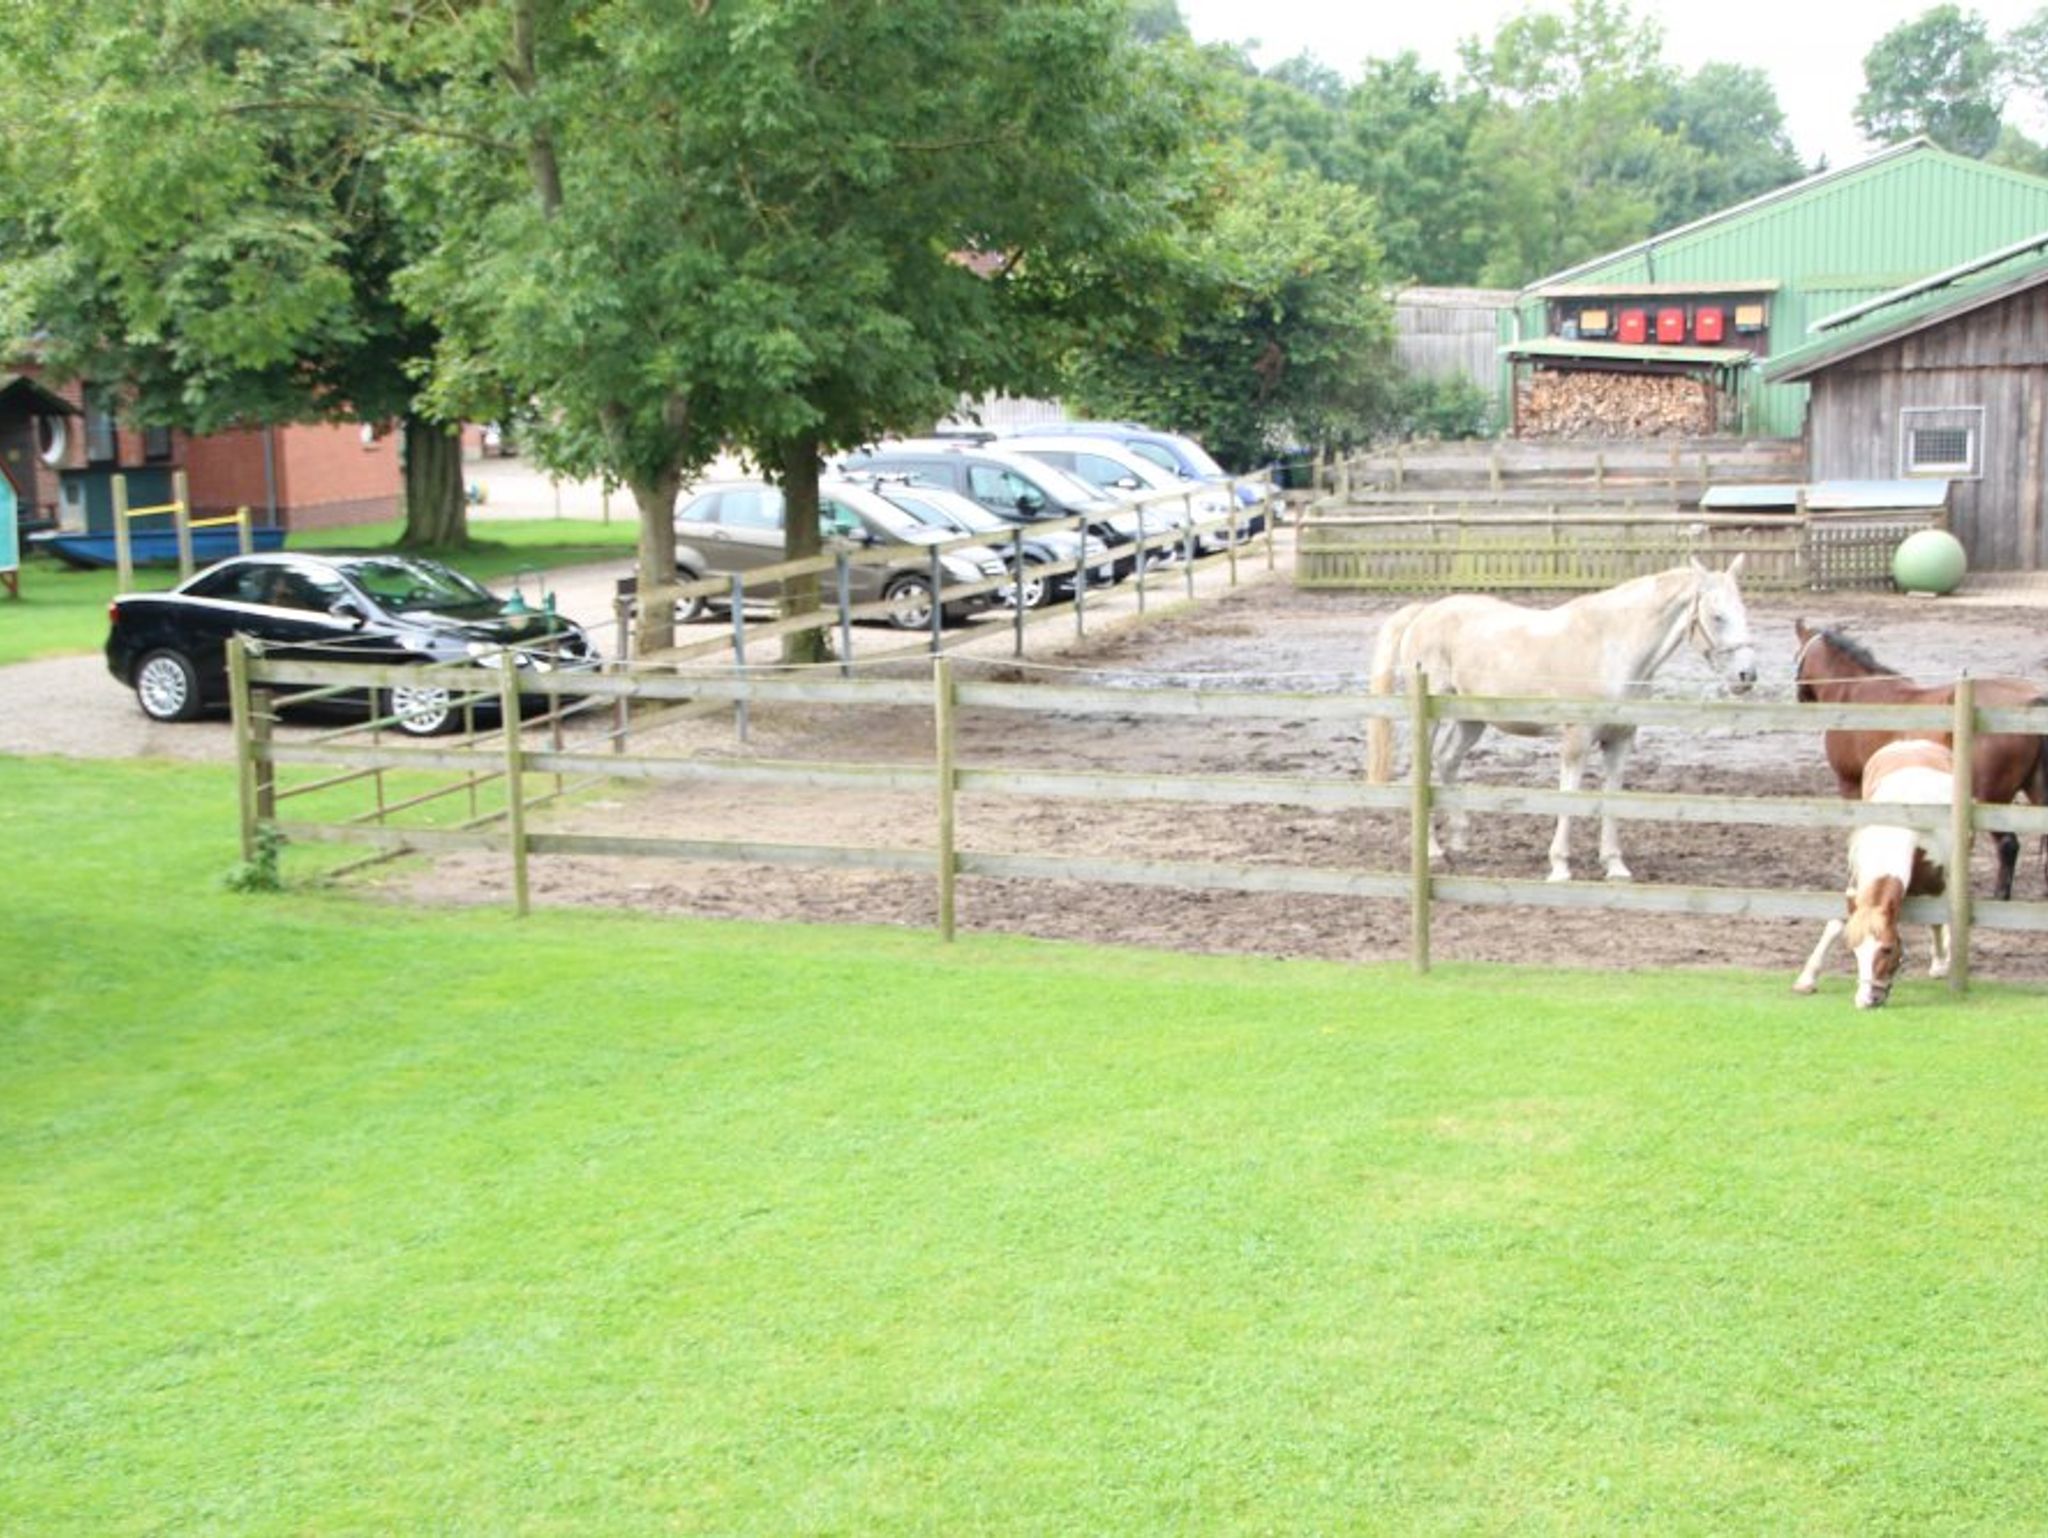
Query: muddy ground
x,y
1269,636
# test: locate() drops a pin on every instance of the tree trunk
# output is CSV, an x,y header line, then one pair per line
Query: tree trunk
x,y
801,539
436,512
656,499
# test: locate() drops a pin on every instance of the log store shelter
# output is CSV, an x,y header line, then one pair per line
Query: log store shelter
x,y
1943,379
1675,335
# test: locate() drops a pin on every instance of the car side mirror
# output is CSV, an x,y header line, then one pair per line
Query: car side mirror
x,y
350,610
1030,502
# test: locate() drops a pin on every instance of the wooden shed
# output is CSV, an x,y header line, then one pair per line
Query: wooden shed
x,y
1946,378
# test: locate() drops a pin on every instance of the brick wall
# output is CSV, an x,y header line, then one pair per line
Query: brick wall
x,y
326,474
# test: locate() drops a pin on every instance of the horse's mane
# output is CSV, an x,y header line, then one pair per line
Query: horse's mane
x,y
1854,650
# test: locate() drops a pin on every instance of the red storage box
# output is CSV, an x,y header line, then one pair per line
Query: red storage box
x,y
1707,326
1671,325
1634,326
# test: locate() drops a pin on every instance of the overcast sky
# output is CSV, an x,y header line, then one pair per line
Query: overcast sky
x,y
1812,52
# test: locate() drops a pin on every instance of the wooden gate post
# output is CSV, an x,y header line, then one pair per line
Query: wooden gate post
x,y
515,777
944,700
124,556
181,523
1418,820
1962,835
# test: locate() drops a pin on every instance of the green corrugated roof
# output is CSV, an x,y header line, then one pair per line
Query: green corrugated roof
x,y
1624,352
1915,307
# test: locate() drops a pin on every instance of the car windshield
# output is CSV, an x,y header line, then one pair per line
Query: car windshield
x,y
406,584
1063,487
1199,457
879,511
951,513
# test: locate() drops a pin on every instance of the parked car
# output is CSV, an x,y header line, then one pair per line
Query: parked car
x,y
1121,471
170,648
738,529
940,509
1014,487
1170,451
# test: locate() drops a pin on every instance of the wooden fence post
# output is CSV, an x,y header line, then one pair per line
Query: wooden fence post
x,y
245,759
1962,835
1418,820
515,777
124,557
944,700
181,523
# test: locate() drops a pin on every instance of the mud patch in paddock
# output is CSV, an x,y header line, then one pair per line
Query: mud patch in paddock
x,y
1269,637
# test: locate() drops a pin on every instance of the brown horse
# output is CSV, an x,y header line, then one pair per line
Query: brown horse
x,y
1835,670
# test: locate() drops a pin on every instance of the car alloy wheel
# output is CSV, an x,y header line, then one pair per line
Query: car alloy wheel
x,y
1032,591
167,687
423,712
910,603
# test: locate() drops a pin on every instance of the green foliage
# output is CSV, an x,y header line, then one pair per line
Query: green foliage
x,y
325,1215
1936,75
1445,409
261,872
1730,145
1286,336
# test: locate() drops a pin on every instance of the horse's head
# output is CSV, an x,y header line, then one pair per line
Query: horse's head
x,y
1720,626
1828,657
1873,935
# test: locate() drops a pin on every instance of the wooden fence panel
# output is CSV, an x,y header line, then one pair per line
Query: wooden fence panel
x,y
523,758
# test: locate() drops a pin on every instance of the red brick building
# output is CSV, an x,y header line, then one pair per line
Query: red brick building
x,y
62,445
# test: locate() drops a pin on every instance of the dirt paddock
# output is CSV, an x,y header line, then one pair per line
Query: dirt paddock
x,y
1270,637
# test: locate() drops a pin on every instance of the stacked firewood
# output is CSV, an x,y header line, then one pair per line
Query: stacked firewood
x,y
1583,403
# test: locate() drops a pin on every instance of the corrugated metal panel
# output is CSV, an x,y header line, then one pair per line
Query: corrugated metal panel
x,y
1832,496
1558,347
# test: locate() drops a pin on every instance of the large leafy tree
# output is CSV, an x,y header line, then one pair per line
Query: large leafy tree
x,y
1731,143
1568,150
195,217
1938,75
789,226
1287,335
1410,139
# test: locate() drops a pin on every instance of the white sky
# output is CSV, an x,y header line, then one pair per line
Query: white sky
x,y
1812,50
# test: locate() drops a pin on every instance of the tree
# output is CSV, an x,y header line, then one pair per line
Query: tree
x,y
1567,147
1735,146
1937,75
188,224
1410,139
792,227
1287,336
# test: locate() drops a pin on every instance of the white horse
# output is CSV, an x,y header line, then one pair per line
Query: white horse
x,y
1888,864
1605,645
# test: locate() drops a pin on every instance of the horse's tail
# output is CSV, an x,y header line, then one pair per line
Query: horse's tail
x,y
2037,785
1386,659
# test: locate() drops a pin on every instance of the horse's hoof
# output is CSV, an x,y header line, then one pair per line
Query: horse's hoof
x,y
1619,873
1803,985
1559,873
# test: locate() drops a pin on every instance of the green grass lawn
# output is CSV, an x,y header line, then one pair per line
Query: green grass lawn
x,y
321,1217
62,610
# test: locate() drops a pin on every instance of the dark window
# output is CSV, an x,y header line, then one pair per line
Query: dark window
x,y
102,446
156,443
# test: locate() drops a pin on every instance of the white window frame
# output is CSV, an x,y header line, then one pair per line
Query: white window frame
x,y
1968,420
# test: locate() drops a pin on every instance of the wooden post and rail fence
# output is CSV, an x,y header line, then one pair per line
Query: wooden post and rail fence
x,y
261,683
1232,529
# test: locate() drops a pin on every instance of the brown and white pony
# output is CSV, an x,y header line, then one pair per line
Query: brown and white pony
x,y
1888,864
1834,669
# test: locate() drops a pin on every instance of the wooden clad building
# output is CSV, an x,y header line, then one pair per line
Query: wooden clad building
x,y
1946,378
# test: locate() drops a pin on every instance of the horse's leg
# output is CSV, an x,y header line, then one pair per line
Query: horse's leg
x,y
1615,747
1456,741
1938,967
1571,771
1809,977
2008,845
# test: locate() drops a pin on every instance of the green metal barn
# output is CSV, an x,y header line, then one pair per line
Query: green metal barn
x,y
1703,307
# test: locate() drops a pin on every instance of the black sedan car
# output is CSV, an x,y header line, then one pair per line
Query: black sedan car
x,y
170,648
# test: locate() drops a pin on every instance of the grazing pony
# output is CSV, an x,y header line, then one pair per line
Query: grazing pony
x,y
1601,645
1835,670
1888,864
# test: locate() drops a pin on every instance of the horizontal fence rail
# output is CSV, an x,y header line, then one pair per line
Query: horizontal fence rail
x,y
527,763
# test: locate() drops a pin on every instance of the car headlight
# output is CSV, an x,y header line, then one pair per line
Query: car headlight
x,y
959,569
1125,524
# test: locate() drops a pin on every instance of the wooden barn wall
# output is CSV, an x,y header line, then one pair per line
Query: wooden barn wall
x,y
1996,359
1449,340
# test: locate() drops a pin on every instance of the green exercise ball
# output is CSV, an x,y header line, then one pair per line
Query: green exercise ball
x,y
1931,561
